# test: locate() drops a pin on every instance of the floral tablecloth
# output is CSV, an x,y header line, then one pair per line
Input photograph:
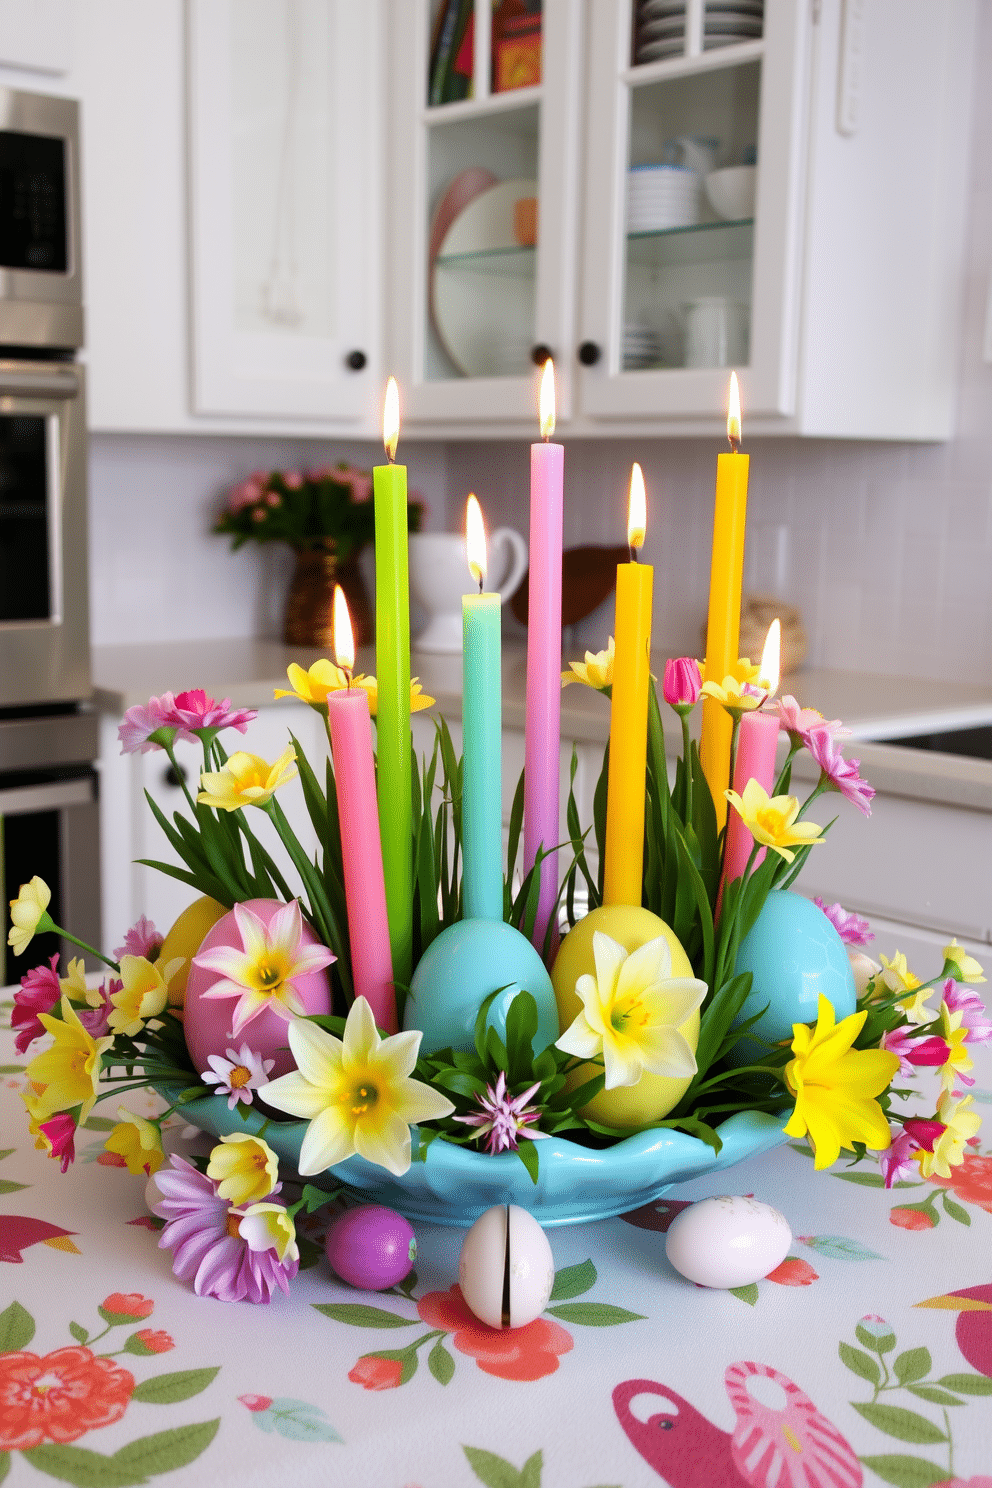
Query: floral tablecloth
x,y
866,1356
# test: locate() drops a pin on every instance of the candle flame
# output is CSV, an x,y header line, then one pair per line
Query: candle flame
x,y
734,412
391,418
344,636
546,401
475,540
636,509
771,668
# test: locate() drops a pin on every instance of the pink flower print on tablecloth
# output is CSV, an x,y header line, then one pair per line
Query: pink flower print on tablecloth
x,y
792,1445
527,1353
58,1397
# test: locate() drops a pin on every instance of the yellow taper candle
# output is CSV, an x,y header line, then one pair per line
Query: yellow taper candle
x,y
623,867
724,623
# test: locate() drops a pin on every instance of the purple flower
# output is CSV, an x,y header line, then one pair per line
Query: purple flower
x,y
799,721
60,1131
193,710
841,773
961,1000
96,1019
682,682
912,1051
151,727
238,1075
504,1120
204,1233
40,991
141,940
851,927
898,1161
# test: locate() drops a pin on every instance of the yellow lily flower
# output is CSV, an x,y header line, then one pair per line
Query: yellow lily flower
x,y
963,968
632,1010
960,1125
138,1142
959,1061
144,994
29,914
732,695
356,1093
596,671
835,1086
246,1167
771,820
897,977
246,780
74,985
70,1069
269,1227
324,677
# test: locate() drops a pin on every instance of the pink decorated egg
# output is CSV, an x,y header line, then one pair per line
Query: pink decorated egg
x,y
371,1247
208,1021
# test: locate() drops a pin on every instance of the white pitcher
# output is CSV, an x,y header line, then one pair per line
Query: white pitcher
x,y
439,576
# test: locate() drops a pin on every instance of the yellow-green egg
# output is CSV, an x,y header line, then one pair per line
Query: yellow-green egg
x,y
630,926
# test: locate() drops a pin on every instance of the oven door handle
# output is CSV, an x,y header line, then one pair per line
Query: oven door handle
x,y
36,380
22,799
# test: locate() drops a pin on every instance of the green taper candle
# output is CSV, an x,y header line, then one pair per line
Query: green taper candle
x,y
392,651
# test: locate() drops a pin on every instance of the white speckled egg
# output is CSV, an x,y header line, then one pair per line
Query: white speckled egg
x,y
727,1242
506,1243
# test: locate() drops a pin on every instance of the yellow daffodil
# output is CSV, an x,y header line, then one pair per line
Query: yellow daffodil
x,y
742,671
732,695
75,986
596,671
771,820
961,966
70,1069
269,1227
37,1113
144,994
138,1142
356,1093
835,1086
897,977
958,1061
324,677
632,1010
246,780
263,974
960,1125
29,914
246,1167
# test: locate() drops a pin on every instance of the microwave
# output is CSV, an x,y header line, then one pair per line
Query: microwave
x,y
41,300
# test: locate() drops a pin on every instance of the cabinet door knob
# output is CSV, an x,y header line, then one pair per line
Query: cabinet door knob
x,y
356,360
589,353
540,354
175,777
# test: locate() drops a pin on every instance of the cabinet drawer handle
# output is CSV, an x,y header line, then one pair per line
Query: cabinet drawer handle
x,y
540,354
589,353
356,360
175,776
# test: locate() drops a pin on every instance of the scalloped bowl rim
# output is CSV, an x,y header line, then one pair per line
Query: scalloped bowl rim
x,y
575,1184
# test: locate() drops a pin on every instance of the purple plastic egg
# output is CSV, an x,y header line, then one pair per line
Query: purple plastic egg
x,y
371,1247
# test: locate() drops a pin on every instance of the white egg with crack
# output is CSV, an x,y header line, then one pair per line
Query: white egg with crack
x,y
727,1242
506,1269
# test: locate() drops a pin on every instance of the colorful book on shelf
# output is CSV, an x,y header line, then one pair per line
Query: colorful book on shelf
x,y
516,44
452,53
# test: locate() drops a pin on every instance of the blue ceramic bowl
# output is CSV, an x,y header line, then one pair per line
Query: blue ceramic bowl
x,y
575,1184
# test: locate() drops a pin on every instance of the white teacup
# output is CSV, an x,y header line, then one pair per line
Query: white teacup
x,y
716,332
439,576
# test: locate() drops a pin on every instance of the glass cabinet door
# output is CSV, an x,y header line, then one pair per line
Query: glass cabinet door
x,y
486,170
692,208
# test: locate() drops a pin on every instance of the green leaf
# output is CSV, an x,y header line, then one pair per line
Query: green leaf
x,y
906,1472
11,1069
861,1364
4,1465
955,1210
841,1248
594,1314
296,1420
572,1281
934,1395
7,1152
748,1294
7,1185
440,1363
169,1389
16,1328
83,1468
361,1315
99,1124
529,1154
912,1365
164,1451
494,1471
967,1384
908,1426
880,1345
79,1333
530,1473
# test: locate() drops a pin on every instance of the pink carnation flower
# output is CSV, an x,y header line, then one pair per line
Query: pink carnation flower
x,y
39,992
799,721
203,1232
141,940
142,722
248,492
841,773
195,711
966,1001
682,682
912,1051
852,928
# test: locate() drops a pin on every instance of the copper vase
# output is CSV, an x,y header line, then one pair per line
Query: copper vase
x,y
310,601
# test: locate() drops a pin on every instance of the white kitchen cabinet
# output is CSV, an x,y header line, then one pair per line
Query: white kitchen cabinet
x,y
842,284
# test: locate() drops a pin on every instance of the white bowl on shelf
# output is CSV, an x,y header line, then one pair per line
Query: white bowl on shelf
x,y
731,191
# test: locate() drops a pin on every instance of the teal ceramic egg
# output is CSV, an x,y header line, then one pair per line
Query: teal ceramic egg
x,y
794,955
458,971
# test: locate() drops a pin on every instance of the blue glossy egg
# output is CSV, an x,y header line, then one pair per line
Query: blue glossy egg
x,y
794,955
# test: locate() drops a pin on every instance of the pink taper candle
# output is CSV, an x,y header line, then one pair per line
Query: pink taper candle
x,y
756,744
361,851
543,728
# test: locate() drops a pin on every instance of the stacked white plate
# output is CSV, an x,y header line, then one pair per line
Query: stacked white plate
x,y
730,21
661,26
641,347
662,196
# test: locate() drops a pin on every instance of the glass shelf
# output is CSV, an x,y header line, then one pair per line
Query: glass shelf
x,y
703,242
496,263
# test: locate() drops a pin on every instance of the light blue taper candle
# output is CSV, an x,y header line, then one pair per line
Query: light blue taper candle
x,y
482,708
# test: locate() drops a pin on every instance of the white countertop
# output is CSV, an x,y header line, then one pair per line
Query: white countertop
x,y
874,707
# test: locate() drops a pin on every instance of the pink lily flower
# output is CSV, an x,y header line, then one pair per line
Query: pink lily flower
x,y
842,774
262,974
898,1161
799,721
966,1001
61,1131
911,1051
